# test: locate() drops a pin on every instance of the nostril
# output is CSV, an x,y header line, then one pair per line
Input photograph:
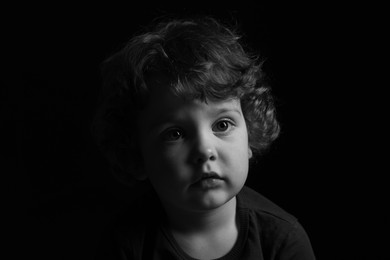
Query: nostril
x,y
202,159
204,156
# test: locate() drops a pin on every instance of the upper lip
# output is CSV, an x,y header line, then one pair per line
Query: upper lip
x,y
210,175
207,175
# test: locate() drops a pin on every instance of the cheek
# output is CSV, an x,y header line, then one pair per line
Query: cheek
x,y
240,144
238,154
240,168
168,174
163,162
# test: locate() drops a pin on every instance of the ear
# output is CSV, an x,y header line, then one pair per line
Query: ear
x,y
139,174
250,154
129,165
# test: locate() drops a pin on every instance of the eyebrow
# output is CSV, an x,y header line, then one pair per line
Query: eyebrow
x,y
227,110
166,118
161,120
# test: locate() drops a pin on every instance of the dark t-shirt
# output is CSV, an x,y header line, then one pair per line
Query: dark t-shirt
x,y
266,232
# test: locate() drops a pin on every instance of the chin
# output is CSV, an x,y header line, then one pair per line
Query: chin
x,y
212,201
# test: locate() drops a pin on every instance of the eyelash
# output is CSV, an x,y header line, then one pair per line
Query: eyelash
x,y
229,122
174,134
167,135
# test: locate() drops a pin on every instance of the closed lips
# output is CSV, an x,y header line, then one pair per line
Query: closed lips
x,y
211,175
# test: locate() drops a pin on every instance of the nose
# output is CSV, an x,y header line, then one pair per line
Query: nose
x,y
204,149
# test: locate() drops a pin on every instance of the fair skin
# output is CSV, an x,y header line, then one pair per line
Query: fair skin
x,y
196,156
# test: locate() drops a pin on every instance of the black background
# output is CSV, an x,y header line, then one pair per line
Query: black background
x,y
324,169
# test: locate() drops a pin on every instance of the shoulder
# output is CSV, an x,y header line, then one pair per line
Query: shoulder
x,y
124,237
278,232
260,205
266,220
139,215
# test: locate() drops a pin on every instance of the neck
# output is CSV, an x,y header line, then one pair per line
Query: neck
x,y
198,222
205,234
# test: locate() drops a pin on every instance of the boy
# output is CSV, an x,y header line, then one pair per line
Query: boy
x,y
184,108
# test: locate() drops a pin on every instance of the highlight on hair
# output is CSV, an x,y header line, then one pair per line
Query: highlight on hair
x,y
196,59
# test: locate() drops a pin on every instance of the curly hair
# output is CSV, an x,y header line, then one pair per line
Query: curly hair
x,y
202,59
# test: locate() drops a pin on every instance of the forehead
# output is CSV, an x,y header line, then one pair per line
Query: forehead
x,y
163,105
164,100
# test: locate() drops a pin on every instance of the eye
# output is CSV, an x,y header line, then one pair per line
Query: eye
x,y
173,134
222,125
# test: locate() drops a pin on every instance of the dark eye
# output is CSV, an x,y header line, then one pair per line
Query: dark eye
x,y
172,135
222,126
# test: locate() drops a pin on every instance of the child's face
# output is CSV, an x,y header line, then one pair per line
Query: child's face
x,y
196,154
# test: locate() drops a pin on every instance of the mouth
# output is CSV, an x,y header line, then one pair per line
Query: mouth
x,y
210,175
209,180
